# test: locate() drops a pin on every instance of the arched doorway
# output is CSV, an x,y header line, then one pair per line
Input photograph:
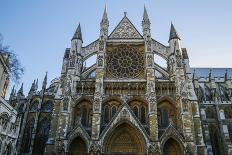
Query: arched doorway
x,y
78,147
171,147
125,140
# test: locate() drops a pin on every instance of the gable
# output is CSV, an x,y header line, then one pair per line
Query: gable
x,y
125,30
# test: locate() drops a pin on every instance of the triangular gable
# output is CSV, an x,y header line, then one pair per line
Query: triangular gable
x,y
125,30
124,114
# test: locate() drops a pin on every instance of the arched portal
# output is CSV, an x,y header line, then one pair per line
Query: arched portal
x,y
171,147
78,147
125,140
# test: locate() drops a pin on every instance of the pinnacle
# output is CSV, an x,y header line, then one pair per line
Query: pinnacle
x,y
145,15
78,34
105,17
173,33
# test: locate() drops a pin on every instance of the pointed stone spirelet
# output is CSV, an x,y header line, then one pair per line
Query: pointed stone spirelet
x,y
12,91
32,89
105,16
173,33
45,81
36,85
105,20
20,90
145,16
78,34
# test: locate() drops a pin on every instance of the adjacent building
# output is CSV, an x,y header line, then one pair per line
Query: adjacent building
x,y
9,122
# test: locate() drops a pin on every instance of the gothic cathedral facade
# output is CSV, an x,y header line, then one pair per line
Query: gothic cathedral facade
x,y
126,103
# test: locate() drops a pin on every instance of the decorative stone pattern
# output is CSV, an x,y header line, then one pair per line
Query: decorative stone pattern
x,y
125,30
125,62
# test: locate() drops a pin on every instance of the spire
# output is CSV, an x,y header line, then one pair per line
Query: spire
x,y
32,89
105,17
104,20
12,94
226,76
20,92
78,34
45,81
36,84
12,91
173,33
145,16
210,75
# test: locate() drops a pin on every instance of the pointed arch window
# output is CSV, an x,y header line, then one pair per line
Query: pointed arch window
x,y
106,114
42,136
27,136
143,115
114,110
165,116
84,116
136,111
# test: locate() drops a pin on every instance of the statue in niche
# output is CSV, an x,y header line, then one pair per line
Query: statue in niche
x,y
72,60
151,86
149,60
65,104
101,45
97,105
100,60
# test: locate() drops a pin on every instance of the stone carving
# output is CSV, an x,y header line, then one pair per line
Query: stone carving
x,y
101,45
95,147
149,61
97,105
189,149
125,30
148,45
100,61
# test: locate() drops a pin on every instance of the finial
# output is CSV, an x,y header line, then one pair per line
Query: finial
x,y
125,13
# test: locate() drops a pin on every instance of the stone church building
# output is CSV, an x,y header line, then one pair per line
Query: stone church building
x,y
126,103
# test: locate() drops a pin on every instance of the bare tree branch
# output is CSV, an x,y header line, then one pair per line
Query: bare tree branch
x,y
14,64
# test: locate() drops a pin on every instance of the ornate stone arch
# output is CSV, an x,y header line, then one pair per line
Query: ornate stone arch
x,y
110,135
172,133
125,115
83,105
78,132
167,112
166,98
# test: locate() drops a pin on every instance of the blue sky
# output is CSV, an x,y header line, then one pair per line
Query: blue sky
x,y
40,30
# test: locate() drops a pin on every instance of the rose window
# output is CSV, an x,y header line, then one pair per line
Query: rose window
x,y
125,62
